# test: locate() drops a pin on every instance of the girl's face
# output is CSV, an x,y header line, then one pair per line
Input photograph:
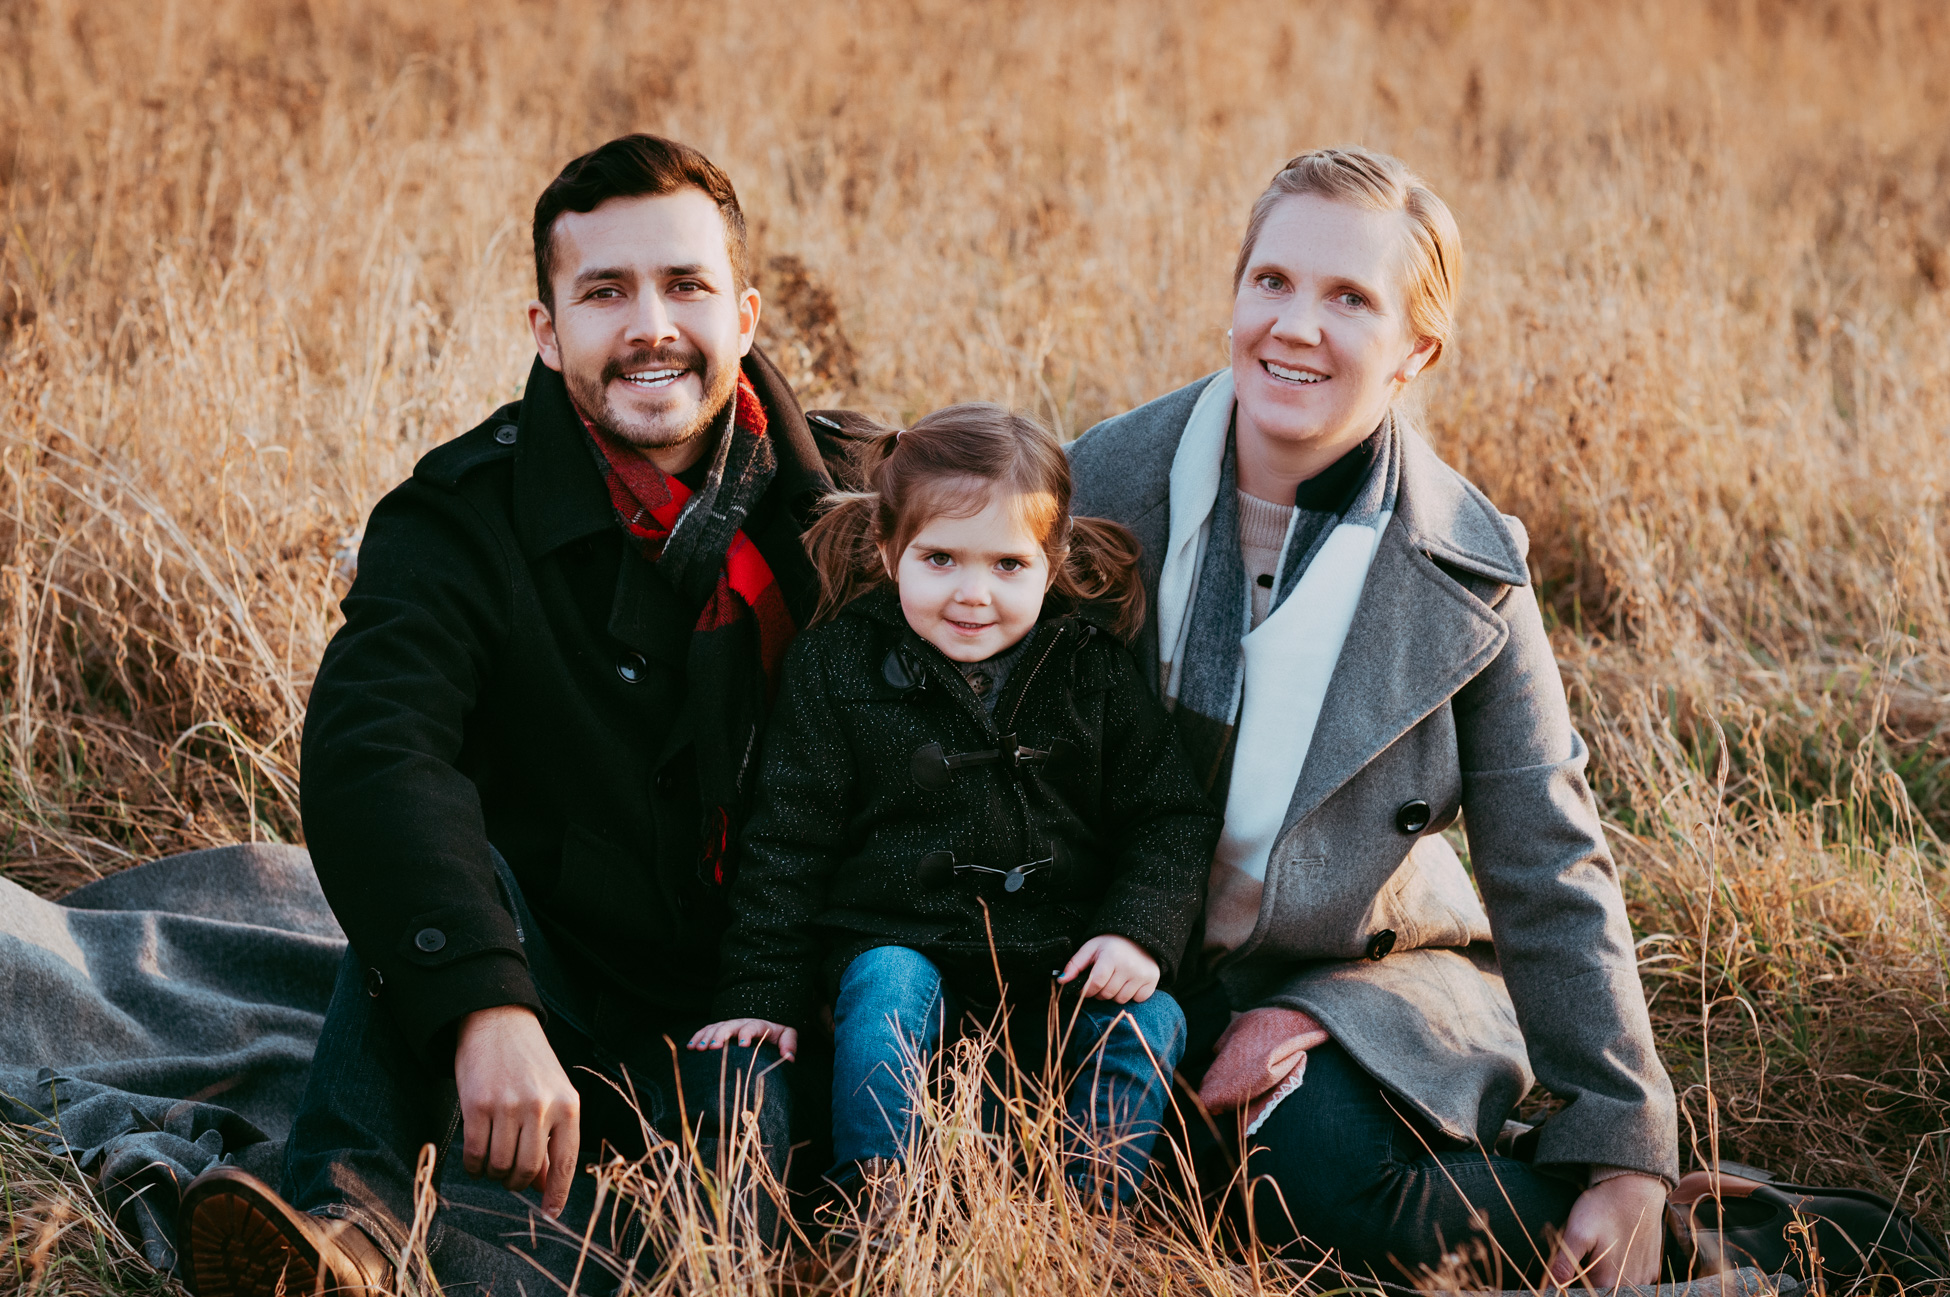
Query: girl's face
x,y
1320,332
973,586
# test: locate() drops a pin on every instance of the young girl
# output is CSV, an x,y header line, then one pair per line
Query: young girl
x,y
966,774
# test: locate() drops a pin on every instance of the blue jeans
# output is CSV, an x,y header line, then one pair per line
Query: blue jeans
x,y
892,1012
1341,1165
371,1104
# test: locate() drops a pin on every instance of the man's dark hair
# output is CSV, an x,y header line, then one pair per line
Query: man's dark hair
x,y
634,166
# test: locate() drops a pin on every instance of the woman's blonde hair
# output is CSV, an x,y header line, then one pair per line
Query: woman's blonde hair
x,y
1378,182
948,464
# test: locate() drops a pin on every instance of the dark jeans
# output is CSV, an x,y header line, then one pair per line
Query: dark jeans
x,y
370,1105
1341,1165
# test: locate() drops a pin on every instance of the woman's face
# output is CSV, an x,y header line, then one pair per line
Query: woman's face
x,y
1320,332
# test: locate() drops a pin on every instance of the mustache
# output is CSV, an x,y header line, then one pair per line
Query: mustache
x,y
675,357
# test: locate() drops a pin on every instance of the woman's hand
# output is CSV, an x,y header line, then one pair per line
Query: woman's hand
x,y
748,1031
1615,1235
1120,970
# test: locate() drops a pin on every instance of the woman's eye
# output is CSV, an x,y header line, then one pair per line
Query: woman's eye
x,y
1271,283
1350,298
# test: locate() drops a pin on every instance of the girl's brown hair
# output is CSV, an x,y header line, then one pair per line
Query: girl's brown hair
x,y
947,464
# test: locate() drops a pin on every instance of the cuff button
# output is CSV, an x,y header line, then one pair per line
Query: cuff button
x,y
1413,816
430,939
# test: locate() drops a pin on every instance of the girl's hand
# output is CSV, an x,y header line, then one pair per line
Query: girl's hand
x,y
748,1031
1615,1234
1120,970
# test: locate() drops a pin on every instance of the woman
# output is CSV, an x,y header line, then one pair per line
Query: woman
x,y
1345,631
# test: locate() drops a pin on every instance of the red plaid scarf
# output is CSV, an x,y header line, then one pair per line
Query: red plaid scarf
x,y
648,502
698,543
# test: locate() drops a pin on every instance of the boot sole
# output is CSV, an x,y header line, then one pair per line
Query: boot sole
x,y
243,1243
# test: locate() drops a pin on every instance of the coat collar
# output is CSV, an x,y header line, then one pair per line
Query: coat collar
x,y
559,494
1418,635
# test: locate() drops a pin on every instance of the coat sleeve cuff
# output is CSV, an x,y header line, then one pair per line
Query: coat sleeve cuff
x,y
427,1002
1125,918
764,1003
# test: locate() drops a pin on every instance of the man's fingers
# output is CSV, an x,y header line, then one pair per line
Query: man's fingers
x,y
531,1156
503,1144
564,1147
475,1129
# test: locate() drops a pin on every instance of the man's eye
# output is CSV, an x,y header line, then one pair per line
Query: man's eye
x,y
607,290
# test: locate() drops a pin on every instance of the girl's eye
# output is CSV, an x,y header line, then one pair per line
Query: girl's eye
x,y
938,560
1011,564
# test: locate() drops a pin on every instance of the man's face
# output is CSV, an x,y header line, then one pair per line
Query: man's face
x,y
648,325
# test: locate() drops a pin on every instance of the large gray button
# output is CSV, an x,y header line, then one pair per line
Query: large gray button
x,y
430,939
505,434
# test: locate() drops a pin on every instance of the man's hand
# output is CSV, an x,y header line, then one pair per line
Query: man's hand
x,y
521,1116
1120,970
747,1030
1615,1234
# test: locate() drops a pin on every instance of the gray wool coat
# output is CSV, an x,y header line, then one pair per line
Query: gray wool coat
x,y
1446,693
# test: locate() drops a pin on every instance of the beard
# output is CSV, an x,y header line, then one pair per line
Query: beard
x,y
654,431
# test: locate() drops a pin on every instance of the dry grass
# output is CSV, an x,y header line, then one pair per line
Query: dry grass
x,y
255,258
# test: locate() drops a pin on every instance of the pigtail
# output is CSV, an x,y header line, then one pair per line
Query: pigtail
x,y
1101,567
843,541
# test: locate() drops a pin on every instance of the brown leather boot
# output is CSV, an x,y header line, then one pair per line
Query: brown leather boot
x,y
239,1239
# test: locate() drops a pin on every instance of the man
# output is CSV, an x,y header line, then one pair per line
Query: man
x,y
527,752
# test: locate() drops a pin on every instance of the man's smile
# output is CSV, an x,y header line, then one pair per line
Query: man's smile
x,y
650,379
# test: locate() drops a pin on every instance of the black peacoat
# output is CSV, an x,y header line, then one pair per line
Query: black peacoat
x,y
893,810
511,674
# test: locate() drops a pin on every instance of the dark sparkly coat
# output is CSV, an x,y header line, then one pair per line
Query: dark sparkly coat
x,y
891,806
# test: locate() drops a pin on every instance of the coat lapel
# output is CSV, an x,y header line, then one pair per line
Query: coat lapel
x,y
1418,635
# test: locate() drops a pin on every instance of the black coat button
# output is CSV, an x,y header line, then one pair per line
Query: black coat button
x,y
375,982
430,939
505,434
1413,817
1381,943
631,667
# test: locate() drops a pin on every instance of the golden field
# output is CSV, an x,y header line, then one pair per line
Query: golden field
x,y
256,258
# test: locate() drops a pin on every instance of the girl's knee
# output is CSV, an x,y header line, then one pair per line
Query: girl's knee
x,y
1157,1021
891,982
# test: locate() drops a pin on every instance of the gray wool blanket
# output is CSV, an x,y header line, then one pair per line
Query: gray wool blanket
x,y
163,1018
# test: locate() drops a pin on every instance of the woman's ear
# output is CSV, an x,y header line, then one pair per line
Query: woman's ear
x,y
1418,360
